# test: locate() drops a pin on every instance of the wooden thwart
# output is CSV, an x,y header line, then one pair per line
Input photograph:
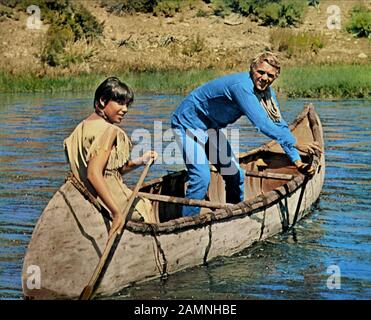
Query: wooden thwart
x,y
185,201
270,175
209,204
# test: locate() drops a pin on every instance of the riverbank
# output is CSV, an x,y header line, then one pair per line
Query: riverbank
x,y
311,81
175,53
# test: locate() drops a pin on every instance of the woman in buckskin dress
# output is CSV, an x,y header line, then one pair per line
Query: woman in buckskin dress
x,y
98,152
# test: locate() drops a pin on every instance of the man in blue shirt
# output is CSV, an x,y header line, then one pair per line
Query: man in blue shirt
x,y
218,103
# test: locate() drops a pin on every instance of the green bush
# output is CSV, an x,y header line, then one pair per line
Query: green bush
x,y
201,13
360,22
270,12
10,3
293,11
48,8
6,12
57,39
221,8
244,7
167,8
313,3
296,43
284,13
128,6
69,22
195,46
76,53
66,13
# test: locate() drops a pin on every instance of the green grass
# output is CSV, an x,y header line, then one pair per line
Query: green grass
x,y
326,81
32,83
154,82
316,81
179,82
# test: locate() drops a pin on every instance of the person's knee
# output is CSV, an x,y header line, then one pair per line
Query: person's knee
x,y
198,182
234,185
200,177
198,185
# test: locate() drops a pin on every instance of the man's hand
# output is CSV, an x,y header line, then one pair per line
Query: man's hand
x,y
305,168
309,148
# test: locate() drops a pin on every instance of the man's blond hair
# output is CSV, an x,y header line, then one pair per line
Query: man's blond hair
x,y
268,57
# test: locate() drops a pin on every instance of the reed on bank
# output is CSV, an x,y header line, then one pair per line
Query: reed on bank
x,y
178,82
311,81
326,81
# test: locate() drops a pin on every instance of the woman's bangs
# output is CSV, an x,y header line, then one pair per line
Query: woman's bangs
x,y
123,95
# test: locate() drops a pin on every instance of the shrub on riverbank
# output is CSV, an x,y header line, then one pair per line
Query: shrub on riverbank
x,y
360,22
281,13
294,43
69,23
284,13
167,8
128,6
270,12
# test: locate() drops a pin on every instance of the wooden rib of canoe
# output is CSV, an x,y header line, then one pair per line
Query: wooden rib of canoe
x,y
71,233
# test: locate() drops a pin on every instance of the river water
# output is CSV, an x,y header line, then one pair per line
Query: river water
x,y
326,255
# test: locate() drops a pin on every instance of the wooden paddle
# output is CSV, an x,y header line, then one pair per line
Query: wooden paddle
x,y
89,289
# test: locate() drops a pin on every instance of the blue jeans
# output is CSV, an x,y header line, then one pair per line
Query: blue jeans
x,y
198,148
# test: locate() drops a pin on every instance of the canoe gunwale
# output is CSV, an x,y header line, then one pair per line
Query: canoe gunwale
x,y
238,211
245,208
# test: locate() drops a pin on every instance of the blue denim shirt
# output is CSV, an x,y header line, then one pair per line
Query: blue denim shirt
x,y
224,100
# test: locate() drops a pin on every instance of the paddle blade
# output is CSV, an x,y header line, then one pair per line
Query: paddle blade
x,y
86,293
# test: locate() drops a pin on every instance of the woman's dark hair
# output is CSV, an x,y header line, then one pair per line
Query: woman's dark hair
x,y
113,89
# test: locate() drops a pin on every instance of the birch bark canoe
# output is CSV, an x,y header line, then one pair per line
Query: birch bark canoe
x,y
71,233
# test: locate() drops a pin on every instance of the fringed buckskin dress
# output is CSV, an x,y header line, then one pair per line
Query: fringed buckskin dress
x,y
86,141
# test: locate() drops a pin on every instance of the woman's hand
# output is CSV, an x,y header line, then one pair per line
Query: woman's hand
x,y
116,223
309,148
148,155
305,168
132,164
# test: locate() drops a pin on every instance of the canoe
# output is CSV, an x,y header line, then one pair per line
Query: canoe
x,y
71,233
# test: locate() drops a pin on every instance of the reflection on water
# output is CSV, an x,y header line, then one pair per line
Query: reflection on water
x,y
288,266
